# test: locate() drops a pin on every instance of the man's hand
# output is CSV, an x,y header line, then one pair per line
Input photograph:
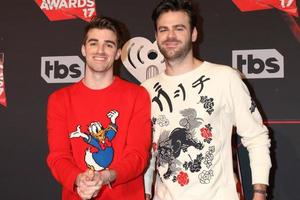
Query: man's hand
x,y
257,196
107,176
147,197
88,184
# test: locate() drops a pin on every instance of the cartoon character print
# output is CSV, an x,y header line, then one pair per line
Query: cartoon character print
x,y
100,138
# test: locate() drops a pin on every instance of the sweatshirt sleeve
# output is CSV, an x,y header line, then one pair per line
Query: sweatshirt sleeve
x,y
249,124
148,177
137,150
60,159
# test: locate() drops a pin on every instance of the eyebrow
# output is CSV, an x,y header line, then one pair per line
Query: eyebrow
x,y
91,40
96,40
111,42
179,25
174,26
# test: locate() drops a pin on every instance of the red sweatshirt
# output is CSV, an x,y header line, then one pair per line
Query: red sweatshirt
x,y
119,113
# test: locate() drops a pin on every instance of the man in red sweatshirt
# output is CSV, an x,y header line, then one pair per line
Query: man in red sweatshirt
x,y
99,129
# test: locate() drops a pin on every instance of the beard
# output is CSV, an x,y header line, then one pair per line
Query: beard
x,y
175,54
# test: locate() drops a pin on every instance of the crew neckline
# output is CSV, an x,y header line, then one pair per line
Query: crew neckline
x,y
109,87
199,68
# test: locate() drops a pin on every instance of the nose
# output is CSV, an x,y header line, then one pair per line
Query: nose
x,y
171,34
100,48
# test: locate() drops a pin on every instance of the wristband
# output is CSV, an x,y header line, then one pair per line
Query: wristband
x,y
264,192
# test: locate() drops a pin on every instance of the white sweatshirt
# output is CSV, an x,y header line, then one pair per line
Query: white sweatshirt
x,y
193,115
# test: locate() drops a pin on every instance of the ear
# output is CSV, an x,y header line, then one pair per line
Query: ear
x,y
194,34
83,50
118,54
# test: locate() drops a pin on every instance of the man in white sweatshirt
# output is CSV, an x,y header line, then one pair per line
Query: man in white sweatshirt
x,y
195,105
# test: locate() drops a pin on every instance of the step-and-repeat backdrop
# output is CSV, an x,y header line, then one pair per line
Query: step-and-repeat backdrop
x,y
40,43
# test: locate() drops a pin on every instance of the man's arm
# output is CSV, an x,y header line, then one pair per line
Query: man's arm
x,y
255,136
60,159
136,153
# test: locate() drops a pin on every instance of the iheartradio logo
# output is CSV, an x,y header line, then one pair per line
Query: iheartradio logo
x,y
142,58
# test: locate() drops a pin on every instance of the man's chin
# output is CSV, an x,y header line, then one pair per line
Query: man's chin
x,y
172,56
169,54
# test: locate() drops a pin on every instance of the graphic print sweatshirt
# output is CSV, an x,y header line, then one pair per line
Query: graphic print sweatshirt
x,y
100,129
193,115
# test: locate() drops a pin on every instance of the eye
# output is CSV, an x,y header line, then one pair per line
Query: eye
x,y
162,30
92,43
94,128
109,45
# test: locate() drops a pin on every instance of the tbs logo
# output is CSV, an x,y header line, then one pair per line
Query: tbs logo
x,y
259,63
142,58
62,69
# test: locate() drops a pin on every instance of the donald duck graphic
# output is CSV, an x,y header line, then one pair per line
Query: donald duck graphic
x,y
100,138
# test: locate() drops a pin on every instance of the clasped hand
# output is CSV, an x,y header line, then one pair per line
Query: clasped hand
x,y
89,184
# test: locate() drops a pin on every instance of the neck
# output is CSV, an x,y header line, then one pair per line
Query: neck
x,y
97,81
181,66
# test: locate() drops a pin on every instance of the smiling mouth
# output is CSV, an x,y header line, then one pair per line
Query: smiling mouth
x,y
99,58
171,44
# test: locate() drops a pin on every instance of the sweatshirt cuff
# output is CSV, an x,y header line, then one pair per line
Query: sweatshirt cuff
x,y
70,181
148,185
119,175
260,175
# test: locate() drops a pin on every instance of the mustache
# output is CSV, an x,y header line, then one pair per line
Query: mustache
x,y
170,40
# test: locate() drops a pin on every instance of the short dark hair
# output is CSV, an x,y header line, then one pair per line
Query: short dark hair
x,y
101,22
175,5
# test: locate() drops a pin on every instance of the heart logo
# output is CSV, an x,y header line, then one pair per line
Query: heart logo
x,y
142,58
